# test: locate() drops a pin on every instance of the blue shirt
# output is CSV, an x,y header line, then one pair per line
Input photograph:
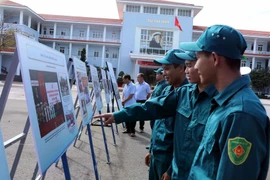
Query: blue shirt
x,y
235,144
142,90
128,90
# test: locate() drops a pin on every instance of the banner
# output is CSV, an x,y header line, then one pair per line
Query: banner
x,y
3,163
114,85
96,87
49,100
105,86
83,91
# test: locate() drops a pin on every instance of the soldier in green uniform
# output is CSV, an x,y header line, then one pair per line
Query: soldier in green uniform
x,y
190,105
235,144
160,154
161,84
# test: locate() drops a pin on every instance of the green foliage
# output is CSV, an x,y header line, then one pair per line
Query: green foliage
x,y
7,40
120,76
260,79
83,55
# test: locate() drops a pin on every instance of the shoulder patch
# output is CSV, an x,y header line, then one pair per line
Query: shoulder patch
x,y
238,150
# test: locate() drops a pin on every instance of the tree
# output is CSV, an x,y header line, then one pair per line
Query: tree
x,y
260,79
83,59
7,38
83,55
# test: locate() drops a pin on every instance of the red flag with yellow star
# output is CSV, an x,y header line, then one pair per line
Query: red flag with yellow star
x,y
176,23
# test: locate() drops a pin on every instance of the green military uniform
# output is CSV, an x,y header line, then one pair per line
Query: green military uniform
x,y
235,143
157,92
161,147
236,137
191,110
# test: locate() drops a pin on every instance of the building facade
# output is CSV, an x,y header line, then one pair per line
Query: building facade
x,y
144,31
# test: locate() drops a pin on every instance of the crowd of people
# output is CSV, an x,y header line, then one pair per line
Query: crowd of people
x,y
206,121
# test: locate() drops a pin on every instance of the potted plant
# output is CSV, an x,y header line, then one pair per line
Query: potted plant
x,y
120,79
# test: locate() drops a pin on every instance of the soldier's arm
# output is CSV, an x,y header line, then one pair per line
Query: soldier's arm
x,y
155,108
244,146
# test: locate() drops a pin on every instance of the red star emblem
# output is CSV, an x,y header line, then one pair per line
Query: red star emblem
x,y
238,151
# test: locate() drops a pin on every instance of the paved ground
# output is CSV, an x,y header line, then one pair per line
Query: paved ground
x,y
127,158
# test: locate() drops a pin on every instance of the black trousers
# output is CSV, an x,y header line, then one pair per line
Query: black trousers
x,y
130,126
141,122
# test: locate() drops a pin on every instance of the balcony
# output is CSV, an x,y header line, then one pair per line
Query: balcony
x,y
46,36
113,40
258,52
22,29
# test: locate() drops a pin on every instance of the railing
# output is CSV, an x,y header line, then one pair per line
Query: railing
x,y
78,38
258,52
113,40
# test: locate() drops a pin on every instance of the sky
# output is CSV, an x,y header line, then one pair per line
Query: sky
x,y
251,15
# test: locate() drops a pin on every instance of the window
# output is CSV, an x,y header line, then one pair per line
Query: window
x,y
44,30
63,33
130,8
250,64
81,33
62,50
184,12
51,31
260,47
252,46
259,65
167,11
97,34
115,55
113,36
79,52
96,53
155,41
107,53
243,63
150,10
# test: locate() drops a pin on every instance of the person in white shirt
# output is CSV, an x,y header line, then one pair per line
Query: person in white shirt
x,y
143,92
127,100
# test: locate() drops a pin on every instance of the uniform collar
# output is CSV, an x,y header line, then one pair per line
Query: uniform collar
x,y
232,89
161,82
210,90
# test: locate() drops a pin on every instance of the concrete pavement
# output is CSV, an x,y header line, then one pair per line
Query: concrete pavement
x,y
127,158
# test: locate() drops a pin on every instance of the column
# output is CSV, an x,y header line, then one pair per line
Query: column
x,y
54,30
87,32
141,9
176,11
38,28
53,46
118,63
192,13
125,7
29,21
103,53
21,17
70,50
255,46
71,31
120,35
86,52
104,33
158,10
253,63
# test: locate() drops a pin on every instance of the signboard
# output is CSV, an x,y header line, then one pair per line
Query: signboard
x,y
49,100
3,163
96,87
83,91
114,85
105,86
